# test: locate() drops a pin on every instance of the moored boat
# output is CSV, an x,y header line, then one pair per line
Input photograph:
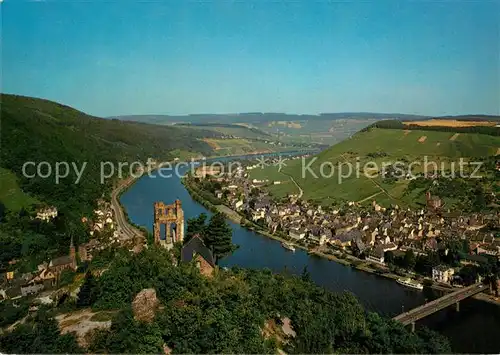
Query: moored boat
x,y
410,283
288,246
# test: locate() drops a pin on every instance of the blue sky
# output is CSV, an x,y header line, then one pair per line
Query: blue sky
x,y
180,57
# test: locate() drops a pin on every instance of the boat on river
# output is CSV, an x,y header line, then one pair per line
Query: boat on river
x,y
410,283
288,246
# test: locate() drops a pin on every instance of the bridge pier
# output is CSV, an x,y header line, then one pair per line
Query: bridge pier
x,y
447,300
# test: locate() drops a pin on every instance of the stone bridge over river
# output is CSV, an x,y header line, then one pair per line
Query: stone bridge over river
x,y
429,308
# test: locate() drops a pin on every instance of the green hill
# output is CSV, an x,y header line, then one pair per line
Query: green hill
x,y
398,143
369,150
36,130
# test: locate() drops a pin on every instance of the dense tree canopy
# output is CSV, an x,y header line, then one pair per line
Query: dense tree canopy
x,y
39,334
218,236
228,312
223,314
195,225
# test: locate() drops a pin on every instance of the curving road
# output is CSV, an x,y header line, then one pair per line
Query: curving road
x,y
301,192
125,230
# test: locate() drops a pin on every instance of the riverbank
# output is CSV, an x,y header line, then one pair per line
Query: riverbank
x,y
337,256
236,217
125,227
138,234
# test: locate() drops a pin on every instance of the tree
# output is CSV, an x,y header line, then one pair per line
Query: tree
x,y
425,263
67,277
218,236
127,336
306,275
87,294
3,211
469,274
39,334
254,192
432,342
389,257
494,284
195,225
409,260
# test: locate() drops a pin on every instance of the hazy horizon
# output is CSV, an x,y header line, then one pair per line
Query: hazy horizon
x,y
116,59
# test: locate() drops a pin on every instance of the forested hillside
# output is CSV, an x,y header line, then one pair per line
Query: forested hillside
x,y
35,130
38,130
236,311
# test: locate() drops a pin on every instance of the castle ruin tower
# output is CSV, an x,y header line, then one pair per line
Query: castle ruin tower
x,y
179,231
72,254
169,216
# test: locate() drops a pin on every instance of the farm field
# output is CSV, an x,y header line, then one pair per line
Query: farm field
x,y
241,146
270,173
381,146
242,132
235,130
315,131
451,123
398,143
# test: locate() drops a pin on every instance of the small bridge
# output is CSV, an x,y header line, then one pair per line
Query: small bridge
x,y
429,308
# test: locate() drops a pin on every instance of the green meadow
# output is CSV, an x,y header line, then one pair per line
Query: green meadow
x,y
380,146
11,194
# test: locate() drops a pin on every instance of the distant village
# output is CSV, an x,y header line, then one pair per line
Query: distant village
x,y
370,232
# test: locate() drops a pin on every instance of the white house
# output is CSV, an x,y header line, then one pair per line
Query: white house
x,y
297,234
238,204
488,250
318,239
377,255
442,273
258,215
388,247
46,214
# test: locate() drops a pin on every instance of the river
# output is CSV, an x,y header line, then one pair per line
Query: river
x,y
474,329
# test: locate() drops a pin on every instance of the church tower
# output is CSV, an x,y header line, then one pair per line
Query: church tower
x,y
72,254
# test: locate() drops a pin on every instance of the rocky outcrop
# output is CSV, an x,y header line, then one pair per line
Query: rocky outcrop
x,y
83,324
145,305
